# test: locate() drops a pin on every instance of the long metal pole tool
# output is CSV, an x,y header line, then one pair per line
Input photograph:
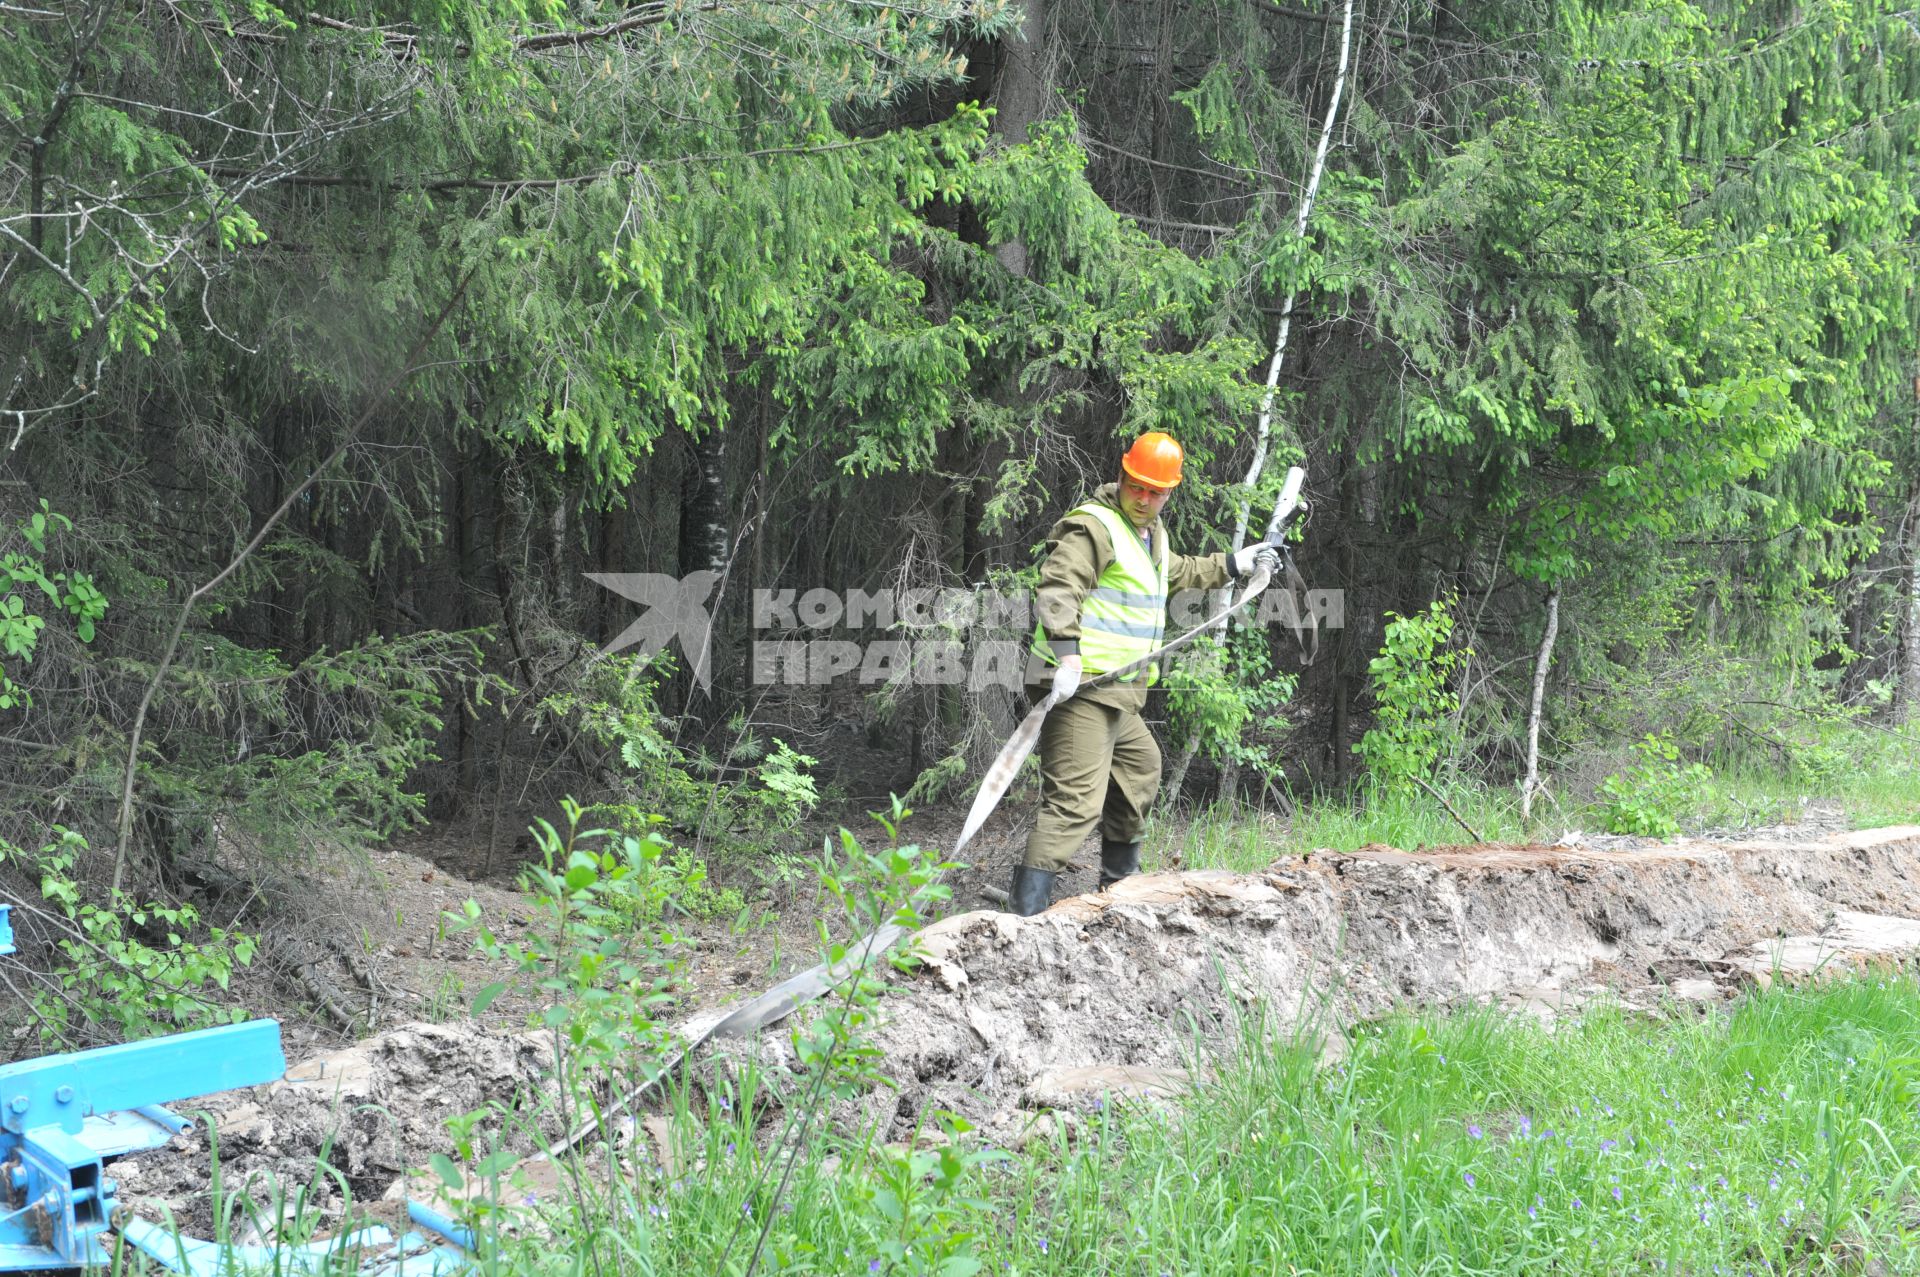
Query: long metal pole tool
x,y
781,1000
796,991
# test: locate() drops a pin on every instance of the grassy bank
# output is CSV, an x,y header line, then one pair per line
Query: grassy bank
x,y
1871,777
1778,1138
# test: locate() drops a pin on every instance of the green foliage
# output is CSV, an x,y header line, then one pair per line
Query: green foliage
x,y
126,969
614,704
751,818
789,792
1603,1143
282,753
1412,702
601,958
1618,299
678,881
1218,693
897,885
766,808
73,593
1650,797
926,1205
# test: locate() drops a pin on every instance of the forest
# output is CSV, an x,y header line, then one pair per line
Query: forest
x,y
342,346
438,427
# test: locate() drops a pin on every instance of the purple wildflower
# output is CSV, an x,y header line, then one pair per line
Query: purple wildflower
x,y
1473,1131
1468,1176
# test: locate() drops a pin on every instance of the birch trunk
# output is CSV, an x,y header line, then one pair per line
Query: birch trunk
x,y
1532,780
1264,427
706,534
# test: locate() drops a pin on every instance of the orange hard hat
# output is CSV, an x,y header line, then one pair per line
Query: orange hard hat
x,y
1154,460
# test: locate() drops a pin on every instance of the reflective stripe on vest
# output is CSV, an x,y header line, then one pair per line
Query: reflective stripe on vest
x,y
1124,616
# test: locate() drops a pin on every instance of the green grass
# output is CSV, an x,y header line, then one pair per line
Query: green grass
x,y
1873,776
1780,1138
1227,836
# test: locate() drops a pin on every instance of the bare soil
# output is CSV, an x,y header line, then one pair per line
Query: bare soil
x,y
1142,976
1123,993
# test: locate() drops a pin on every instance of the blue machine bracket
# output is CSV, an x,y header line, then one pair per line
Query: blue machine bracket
x,y
64,1117
370,1252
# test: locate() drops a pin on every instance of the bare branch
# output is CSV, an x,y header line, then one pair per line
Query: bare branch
x,y
66,276
641,15
1390,33
406,370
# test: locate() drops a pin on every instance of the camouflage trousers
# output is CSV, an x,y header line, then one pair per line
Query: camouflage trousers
x,y
1098,766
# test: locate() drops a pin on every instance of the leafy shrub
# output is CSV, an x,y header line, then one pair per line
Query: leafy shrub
x,y
748,818
894,885
600,954
1649,797
1412,703
127,969
613,705
21,575
1218,692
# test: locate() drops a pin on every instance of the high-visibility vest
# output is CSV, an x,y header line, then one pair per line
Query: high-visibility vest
x,y
1125,615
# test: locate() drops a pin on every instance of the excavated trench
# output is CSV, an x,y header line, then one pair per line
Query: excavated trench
x,y
1108,995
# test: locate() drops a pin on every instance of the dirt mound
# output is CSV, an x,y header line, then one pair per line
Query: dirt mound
x,y
1137,977
370,1113
1126,994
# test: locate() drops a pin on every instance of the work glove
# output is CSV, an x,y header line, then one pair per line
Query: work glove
x,y
1066,677
1241,563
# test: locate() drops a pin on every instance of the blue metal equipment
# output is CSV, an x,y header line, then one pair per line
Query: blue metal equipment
x,y
367,1252
64,1117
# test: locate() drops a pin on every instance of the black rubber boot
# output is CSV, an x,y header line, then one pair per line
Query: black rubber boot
x,y
1117,860
1031,892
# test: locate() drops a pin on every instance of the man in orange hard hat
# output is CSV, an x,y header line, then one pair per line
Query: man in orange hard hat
x,y
1102,605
